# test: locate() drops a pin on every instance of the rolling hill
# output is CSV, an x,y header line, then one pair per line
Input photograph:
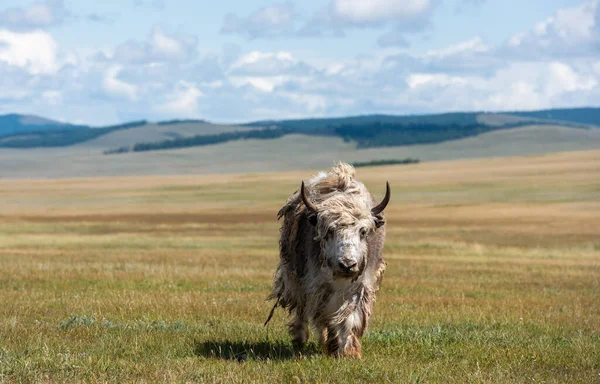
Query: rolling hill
x,y
187,147
19,124
291,152
589,116
157,133
17,131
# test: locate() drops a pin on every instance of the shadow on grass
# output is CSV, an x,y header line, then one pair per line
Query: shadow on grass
x,y
260,350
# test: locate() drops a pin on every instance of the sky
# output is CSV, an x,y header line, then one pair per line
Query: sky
x,y
99,63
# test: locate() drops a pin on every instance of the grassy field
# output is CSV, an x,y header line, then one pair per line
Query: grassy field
x,y
493,276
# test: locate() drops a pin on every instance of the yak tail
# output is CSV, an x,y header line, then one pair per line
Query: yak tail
x,y
273,310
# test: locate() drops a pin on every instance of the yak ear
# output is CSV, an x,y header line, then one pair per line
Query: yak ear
x,y
312,219
379,220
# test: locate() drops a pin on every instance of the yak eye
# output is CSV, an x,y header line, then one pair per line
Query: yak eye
x,y
363,233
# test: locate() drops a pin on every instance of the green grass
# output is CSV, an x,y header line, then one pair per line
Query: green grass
x,y
146,280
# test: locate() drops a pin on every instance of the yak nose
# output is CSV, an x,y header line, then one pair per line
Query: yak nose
x,y
346,265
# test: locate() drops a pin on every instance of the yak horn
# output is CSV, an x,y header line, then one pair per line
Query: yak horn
x,y
307,202
378,209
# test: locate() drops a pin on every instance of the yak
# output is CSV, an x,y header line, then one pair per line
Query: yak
x,y
331,263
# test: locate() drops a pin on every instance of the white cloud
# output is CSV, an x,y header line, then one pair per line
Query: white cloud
x,y
516,40
265,84
267,70
562,78
280,19
425,79
574,24
36,15
36,51
405,16
183,101
519,95
274,20
117,87
313,104
470,57
360,12
519,86
163,45
13,81
53,97
159,46
268,64
570,31
258,56
474,45
164,76
212,84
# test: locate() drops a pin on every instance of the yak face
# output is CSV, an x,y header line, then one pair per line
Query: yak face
x,y
343,224
344,248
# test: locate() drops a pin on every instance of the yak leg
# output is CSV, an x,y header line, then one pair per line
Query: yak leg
x,y
332,341
343,340
299,328
322,331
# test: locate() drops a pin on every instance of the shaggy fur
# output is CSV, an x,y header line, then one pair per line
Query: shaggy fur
x,y
304,282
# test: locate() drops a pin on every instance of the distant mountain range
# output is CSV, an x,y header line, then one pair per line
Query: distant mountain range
x,y
56,149
26,131
16,124
589,116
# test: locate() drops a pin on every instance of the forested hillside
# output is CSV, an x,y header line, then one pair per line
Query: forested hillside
x,y
17,131
60,136
589,116
18,124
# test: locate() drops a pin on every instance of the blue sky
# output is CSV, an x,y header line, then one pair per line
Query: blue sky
x,y
230,61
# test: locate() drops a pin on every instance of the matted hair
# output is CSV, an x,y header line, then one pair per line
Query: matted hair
x,y
330,200
341,200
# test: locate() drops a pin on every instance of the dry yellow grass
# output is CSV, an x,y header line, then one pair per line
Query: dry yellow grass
x,y
493,276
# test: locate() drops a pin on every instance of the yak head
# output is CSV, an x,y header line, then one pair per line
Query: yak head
x,y
343,223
